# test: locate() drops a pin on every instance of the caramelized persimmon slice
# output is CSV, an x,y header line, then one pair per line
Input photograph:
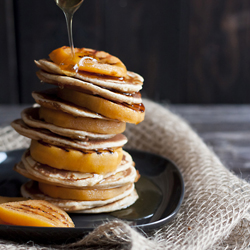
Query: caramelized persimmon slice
x,y
132,114
99,162
37,213
89,60
81,194
65,120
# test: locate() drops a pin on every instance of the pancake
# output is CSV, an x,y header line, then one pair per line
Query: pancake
x,y
124,174
66,120
31,190
117,205
118,140
48,98
23,168
132,82
86,87
133,113
30,116
87,194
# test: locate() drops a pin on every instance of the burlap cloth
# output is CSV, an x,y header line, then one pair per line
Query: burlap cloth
x,y
214,214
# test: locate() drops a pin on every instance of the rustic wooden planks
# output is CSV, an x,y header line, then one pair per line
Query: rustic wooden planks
x,y
8,59
219,48
41,28
188,51
143,34
146,35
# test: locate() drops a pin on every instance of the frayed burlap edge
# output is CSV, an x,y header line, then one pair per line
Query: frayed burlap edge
x,y
10,139
214,214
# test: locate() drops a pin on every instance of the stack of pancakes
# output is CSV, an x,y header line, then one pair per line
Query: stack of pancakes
x,y
75,159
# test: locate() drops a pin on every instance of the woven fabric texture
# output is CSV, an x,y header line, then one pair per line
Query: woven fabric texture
x,y
214,214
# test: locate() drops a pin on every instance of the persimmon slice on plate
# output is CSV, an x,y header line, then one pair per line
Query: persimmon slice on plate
x,y
36,213
88,60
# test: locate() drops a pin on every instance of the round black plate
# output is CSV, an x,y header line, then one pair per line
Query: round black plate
x,y
160,188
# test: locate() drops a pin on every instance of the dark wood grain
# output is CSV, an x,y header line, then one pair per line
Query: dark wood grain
x,y
41,28
219,45
146,36
188,51
8,60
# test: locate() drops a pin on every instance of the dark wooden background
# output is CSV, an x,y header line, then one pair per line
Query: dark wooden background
x,y
188,51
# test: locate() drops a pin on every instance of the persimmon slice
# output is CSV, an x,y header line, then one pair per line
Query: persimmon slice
x,y
65,120
81,194
99,162
103,106
88,60
37,213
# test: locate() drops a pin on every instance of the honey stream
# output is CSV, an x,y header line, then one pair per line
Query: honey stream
x,y
69,7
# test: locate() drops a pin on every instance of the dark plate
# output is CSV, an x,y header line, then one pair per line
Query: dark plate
x,y
160,188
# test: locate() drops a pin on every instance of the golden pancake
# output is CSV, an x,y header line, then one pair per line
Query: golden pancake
x,y
122,112
65,120
92,194
124,174
31,190
86,87
118,140
131,83
48,98
117,205
30,116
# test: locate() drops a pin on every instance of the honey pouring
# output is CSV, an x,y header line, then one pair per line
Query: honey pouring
x,y
69,7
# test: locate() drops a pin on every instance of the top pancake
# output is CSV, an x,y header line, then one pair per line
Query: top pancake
x,y
89,88
129,84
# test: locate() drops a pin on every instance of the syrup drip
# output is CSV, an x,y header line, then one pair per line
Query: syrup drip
x,y
69,7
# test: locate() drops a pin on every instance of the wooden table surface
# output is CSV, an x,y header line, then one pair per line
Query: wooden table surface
x,y
225,128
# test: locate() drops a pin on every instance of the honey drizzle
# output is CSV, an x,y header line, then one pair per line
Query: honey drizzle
x,y
69,7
